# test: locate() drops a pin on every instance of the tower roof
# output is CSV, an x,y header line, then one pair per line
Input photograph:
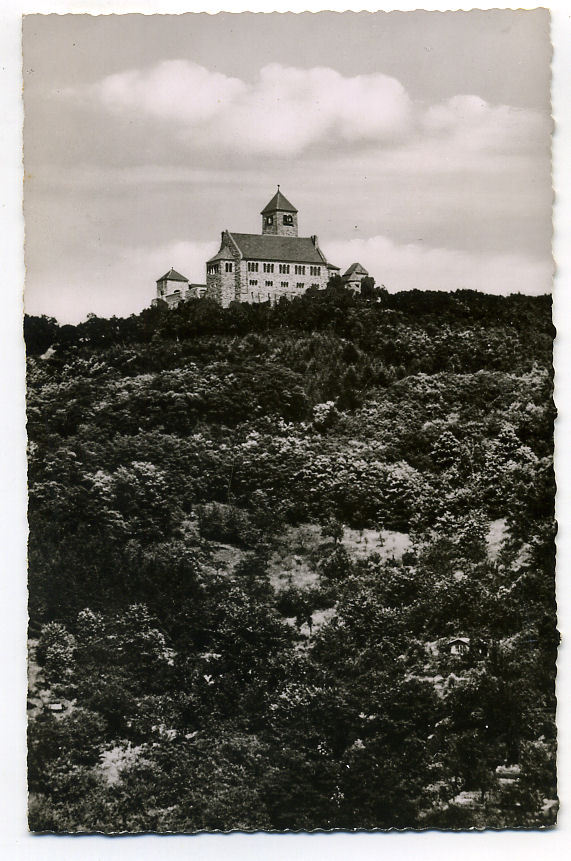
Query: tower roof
x,y
355,269
223,254
172,275
278,203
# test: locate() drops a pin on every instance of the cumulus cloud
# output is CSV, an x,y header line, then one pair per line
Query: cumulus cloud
x,y
174,90
285,111
406,267
470,121
288,110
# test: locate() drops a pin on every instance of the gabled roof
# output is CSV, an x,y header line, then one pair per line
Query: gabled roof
x,y
278,203
173,275
289,249
355,269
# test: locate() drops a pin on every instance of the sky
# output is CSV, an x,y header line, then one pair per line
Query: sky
x,y
417,143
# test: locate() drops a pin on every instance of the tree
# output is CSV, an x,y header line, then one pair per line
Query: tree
x,y
368,287
349,397
40,333
55,652
332,528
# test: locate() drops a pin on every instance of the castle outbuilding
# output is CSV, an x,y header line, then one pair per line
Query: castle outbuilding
x,y
354,276
173,287
251,267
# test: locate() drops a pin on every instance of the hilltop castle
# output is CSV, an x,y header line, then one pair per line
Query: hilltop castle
x,y
256,268
252,267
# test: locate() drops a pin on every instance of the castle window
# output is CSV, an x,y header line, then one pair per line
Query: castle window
x,y
284,284
315,270
268,267
252,267
213,269
269,283
228,267
253,283
300,270
288,219
284,268
299,284
269,220
315,285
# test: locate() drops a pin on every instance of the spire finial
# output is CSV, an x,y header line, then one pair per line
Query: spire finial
x,y
278,186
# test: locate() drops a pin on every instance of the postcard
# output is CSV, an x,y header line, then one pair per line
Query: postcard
x,y
290,422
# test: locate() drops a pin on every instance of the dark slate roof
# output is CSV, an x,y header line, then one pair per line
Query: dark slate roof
x,y
355,268
289,249
223,254
172,275
278,202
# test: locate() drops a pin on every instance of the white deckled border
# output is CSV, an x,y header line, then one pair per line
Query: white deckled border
x,y
15,842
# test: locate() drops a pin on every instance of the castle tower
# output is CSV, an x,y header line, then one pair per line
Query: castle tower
x,y
172,288
279,217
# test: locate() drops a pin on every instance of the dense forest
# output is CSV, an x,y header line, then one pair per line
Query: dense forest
x,y
292,566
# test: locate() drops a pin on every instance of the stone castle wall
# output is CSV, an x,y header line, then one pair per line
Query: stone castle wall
x,y
282,283
243,285
213,287
221,287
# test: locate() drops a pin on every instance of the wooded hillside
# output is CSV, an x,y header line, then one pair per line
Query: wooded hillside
x,y
255,532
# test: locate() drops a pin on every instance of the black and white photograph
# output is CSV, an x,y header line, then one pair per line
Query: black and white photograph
x,y
289,355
